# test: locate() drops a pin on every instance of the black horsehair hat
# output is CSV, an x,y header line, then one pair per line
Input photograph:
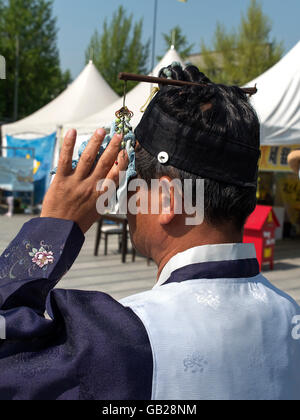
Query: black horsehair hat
x,y
206,155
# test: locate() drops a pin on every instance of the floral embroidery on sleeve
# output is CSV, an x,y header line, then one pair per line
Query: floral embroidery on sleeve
x,y
31,261
41,257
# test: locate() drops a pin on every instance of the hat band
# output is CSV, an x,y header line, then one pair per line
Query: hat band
x,y
198,153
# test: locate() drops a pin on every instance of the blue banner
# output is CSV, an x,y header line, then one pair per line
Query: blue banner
x,y
16,174
43,158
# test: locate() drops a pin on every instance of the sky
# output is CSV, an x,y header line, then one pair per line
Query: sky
x,y
78,19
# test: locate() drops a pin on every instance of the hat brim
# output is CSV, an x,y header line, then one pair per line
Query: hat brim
x,y
294,160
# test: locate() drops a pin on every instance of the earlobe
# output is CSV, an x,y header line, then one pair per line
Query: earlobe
x,y
167,201
165,219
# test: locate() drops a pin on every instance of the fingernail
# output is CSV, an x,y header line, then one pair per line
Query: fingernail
x,y
70,133
100,131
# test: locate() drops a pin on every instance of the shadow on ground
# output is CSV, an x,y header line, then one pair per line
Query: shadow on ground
x,y
281,266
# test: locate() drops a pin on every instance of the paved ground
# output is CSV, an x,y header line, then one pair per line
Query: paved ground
x,y
109,275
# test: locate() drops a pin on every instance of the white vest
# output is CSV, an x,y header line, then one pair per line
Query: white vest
x,y
219,330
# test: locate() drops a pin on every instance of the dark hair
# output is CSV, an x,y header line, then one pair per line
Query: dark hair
x,y
213,109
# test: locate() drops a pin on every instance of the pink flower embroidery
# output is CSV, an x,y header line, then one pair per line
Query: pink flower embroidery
x,y
41,257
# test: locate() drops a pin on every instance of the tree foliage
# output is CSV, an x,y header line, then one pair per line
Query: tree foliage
x,y
31,25
180,42
119,48
241,55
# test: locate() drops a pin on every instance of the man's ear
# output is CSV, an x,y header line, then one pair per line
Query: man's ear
x,y
167,200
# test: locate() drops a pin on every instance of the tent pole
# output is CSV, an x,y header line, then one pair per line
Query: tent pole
x,y
16,94
154,35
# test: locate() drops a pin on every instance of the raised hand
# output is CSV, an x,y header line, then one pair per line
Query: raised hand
x,y
73,193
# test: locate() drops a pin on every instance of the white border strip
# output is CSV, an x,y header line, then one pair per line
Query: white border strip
x,y
206,253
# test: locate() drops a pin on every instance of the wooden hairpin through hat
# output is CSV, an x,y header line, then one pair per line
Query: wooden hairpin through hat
x,y
164,81
124,115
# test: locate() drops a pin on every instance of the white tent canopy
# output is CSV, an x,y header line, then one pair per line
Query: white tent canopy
x,y
135,99
87,94
277,102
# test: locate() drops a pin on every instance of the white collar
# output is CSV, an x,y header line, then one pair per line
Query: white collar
x,y
206,253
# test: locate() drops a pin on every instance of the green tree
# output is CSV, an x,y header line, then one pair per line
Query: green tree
x,y
29,27
119,48
180,42
238,56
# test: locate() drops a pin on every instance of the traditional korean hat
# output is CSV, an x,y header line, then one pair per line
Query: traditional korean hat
x,y
185,147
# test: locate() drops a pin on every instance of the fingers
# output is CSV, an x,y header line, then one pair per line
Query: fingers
x,y
66,155
108,158
114,174
89,155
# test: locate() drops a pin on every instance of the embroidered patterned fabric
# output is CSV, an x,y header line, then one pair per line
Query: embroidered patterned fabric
x,y
229,331
91,347
229,335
